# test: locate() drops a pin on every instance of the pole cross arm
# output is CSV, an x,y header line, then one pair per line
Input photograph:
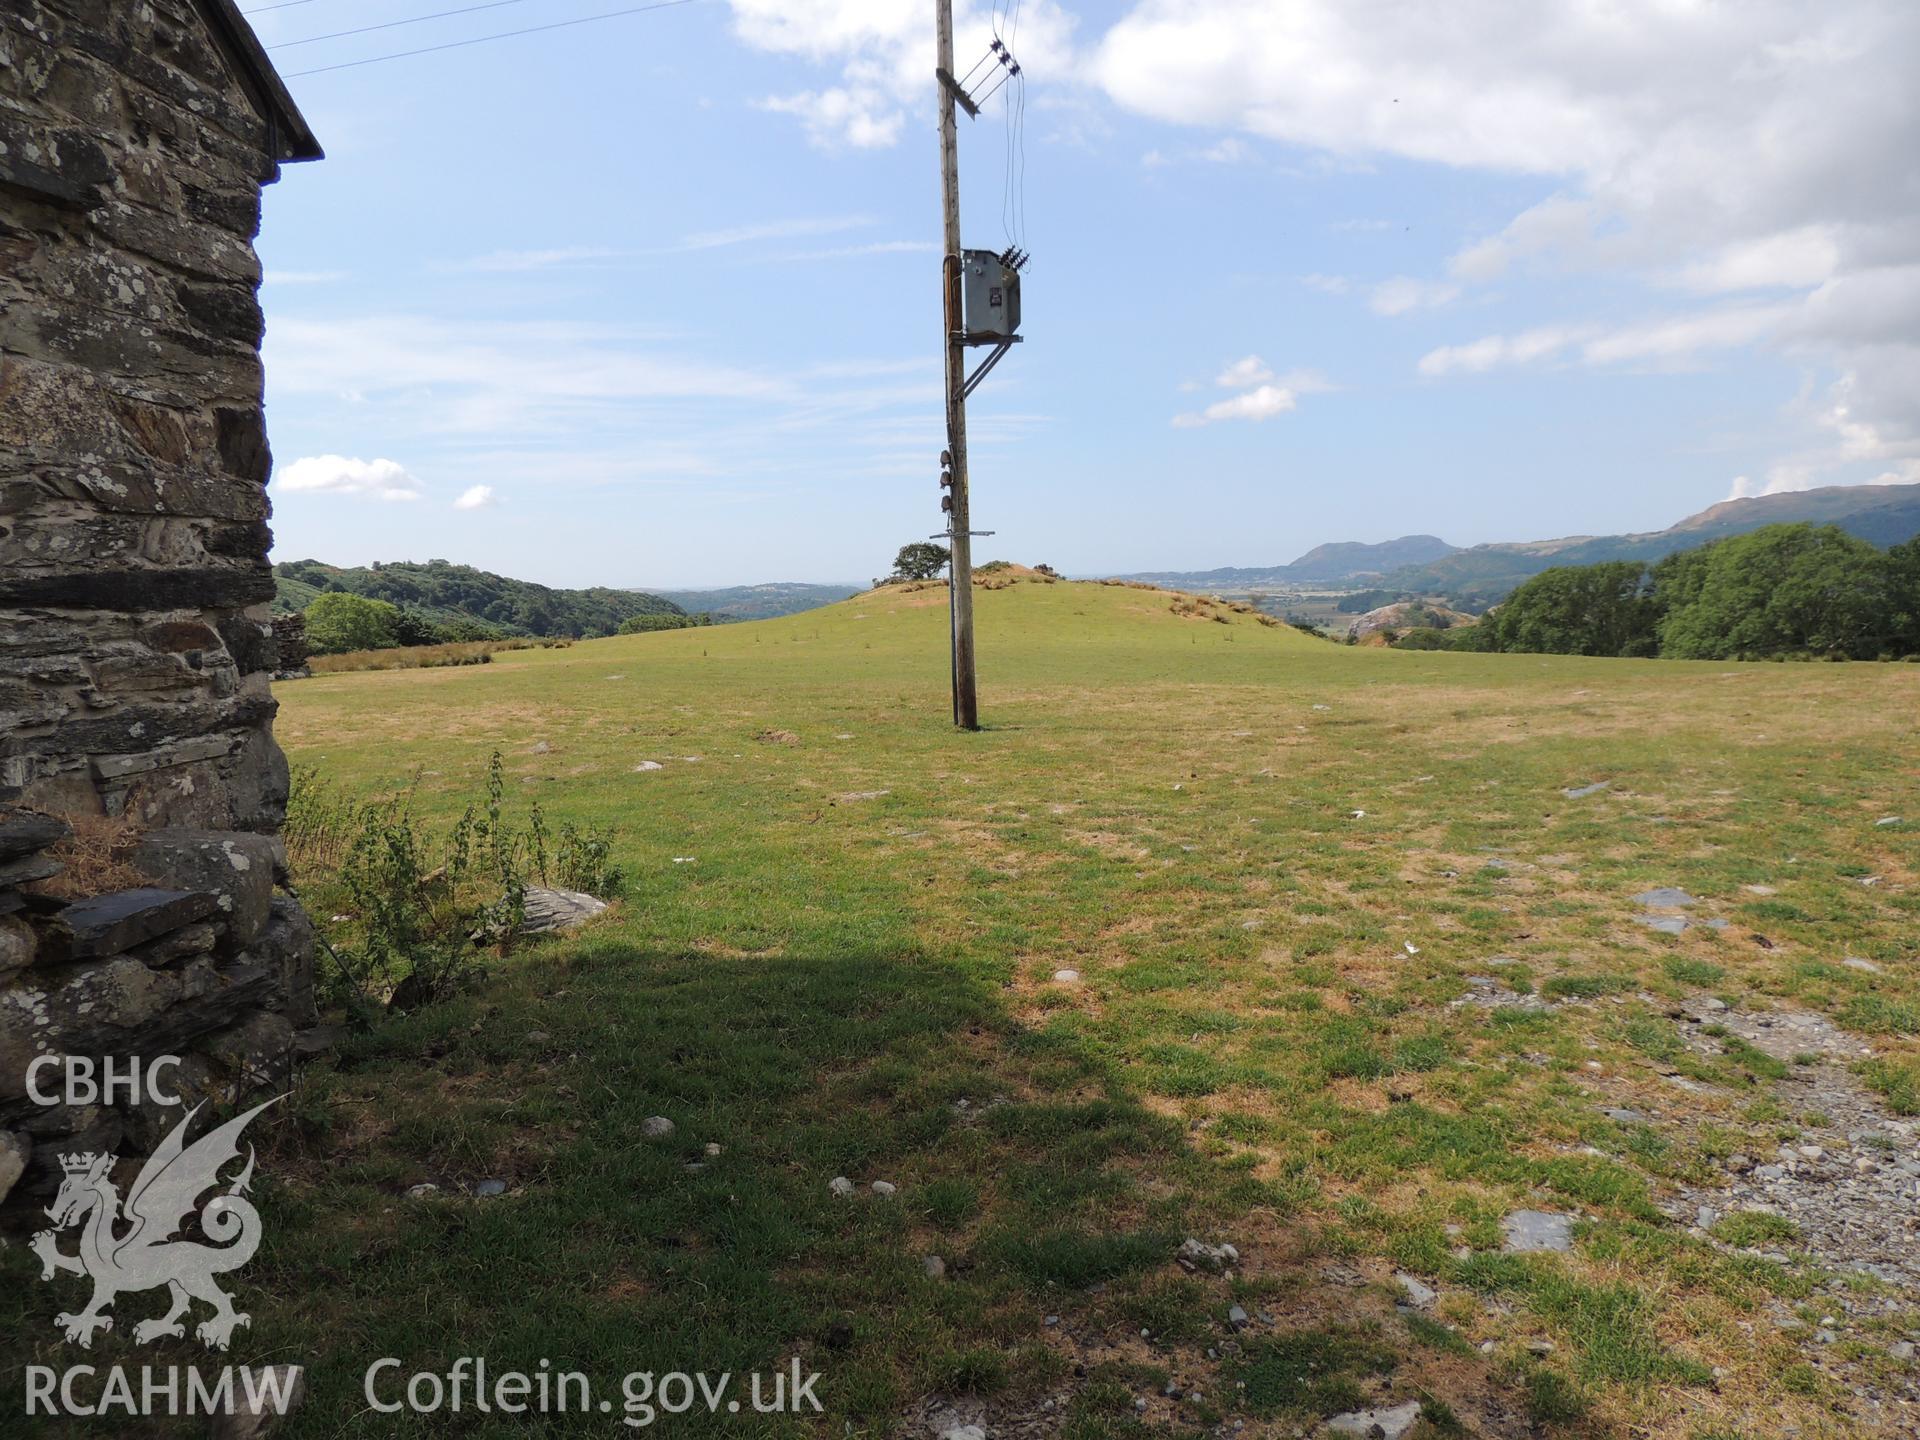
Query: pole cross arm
x,y
960,96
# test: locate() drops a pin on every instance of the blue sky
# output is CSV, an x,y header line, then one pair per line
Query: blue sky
x,y
654,301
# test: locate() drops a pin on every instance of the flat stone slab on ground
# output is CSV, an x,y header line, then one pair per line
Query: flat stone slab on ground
x,y
1528,1230
549,908
1385,1424
1665,897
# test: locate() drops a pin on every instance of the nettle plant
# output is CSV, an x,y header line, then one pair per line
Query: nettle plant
x,y
422,907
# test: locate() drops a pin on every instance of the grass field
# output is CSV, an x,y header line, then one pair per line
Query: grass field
x,y
1274,864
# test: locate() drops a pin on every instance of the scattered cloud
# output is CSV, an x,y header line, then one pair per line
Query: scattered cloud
x,y
515,262
1403,293
342,475
790,229
1262,396
1251,370
856,252
1261,403
1782,174
476,497
883,53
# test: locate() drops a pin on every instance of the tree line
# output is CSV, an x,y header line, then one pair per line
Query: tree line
x,y
340,623
1779,591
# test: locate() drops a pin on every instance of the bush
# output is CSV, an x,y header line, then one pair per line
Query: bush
x,y
337,622
421,906
645,624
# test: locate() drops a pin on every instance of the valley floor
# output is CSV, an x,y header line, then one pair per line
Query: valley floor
x,y
1346,959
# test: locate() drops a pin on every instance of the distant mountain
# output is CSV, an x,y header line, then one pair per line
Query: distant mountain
x,y
1341,560
445,593
1347,560
759,602
1482,575
1485,574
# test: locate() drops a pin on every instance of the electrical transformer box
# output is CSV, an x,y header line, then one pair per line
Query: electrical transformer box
x,y
990,289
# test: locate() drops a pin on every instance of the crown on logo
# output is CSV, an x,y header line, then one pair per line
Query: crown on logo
x,y
78,1164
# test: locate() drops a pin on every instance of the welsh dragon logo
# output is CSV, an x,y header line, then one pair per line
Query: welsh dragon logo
x,y
145,1254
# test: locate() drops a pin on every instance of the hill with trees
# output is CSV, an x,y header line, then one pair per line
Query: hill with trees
x,y
1416,566
759,602
1484,574
462,603
1780,591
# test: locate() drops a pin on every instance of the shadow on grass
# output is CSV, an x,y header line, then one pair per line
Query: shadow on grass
x,y
1045,1188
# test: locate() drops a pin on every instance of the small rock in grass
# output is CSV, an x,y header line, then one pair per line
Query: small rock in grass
x,y
1888,820
423,1191
1623,1116
538,1037
1901,1350
1067,977
1197,1255
1580,792
711,1150
1853,962
1760,890
1417,1291
1527,1230
646,765
1540,1348
964,1432
1666,897
1665,924
1385,1424
884,1188
258,1401
487,1189
934,1267
1236,1317
656,1127
841,1186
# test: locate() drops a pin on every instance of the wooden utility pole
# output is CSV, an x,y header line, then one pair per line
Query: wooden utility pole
x,y
966,699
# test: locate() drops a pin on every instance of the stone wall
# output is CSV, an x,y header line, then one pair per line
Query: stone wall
x,y
136,651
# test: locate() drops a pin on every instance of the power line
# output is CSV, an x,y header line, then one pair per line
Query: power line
x,y
283,5
482,39
395,24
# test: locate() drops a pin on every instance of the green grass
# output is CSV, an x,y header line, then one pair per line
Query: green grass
x,y
835,958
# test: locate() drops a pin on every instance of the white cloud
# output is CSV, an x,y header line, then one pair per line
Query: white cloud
x,y
1719,149
476,497
775,230
1261,403
883,52
1251,370
1403,293
512,262
342,475
1491,351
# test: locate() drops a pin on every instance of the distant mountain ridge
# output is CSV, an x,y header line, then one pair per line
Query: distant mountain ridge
x,y
1338,560
446,593
759,602
1482,575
